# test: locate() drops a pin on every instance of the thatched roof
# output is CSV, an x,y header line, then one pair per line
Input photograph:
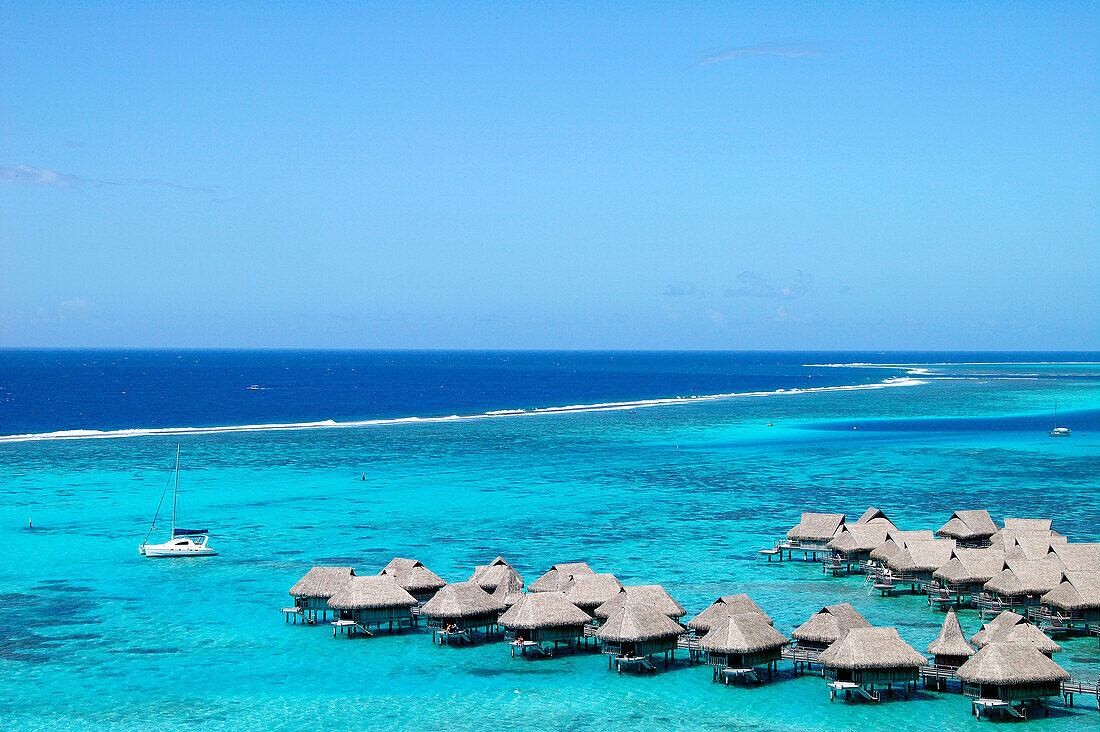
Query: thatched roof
x,y
724,607
972,565
1032,546
1004,619
1027,633
1077,591
858,537
368,593
590,590
1078,557
322,582
922,556
830,624
951,641
489,576
742,633
510,590
635,621
896,540
871,648
654,595
543,610
1010,664
968,525
1028,524
818,527
412,575
461,600
556,579
872,514
1007,537
1026,577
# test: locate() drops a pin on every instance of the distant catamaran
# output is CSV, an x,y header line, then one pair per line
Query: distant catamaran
x,y
183,542
1055,430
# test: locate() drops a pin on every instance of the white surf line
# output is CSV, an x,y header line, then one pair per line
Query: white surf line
x,y
498,414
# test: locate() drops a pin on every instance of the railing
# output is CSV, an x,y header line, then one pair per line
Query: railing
x,y
805,655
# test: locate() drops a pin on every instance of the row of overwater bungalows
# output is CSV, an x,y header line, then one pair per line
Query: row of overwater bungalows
x,y
1006,664
1024,566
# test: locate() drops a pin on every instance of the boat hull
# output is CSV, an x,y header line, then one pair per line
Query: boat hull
x,y
176,548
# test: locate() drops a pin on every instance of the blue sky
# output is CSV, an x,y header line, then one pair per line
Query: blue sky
x,y
514,175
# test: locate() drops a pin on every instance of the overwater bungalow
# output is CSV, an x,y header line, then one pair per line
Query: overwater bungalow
x,y
950,649
1009,677
413,577
459,608
1020,585
543,617
965,574
1003,620
869,660
811,534
557,578
654,595
1030,546
636,631
738,644
1029,634
915,564
373,600
490,576
1006,538
827,626
895,542
723,608
969,528
1075,602
312,592
851,548
589,591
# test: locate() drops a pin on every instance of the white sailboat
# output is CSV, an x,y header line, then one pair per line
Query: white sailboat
x,y
183,542
1055,430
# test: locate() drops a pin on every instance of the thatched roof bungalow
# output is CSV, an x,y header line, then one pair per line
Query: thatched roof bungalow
x,y
815,529
589,591
828,625
557,577
950,647
413,577
969,528
1023,581
636,629
855,542
545,616
374,599
312,592
464,605
871,657
919,559
1014,673
969,569
722,608
490,576
895,542
654,595
510,590
1077,596
1031,546
1030,634
1004,620
743,641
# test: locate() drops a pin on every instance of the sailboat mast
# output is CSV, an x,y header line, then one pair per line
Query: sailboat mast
x,y
176,490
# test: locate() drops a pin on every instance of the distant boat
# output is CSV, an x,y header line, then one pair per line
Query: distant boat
x,y
1055,430
254,387
183,542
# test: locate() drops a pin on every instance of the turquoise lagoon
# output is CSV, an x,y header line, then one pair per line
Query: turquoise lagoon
x,y
92,636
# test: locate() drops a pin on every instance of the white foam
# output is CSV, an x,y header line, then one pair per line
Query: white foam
x,y
498,414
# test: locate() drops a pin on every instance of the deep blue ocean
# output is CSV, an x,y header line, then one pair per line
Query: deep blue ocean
x,y
671,468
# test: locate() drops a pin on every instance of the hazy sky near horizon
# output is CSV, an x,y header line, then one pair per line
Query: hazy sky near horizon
x,y
727,175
